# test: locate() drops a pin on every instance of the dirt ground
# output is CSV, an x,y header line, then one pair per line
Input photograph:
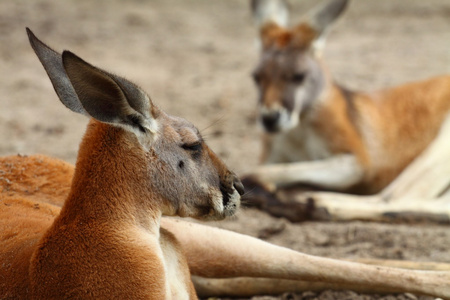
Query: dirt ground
x,y
195,57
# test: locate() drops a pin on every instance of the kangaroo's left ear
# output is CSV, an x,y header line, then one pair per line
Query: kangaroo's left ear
x,y
320,19
90,91
109,98
267,11
52,63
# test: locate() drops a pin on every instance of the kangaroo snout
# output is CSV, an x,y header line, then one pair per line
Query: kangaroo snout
x,y
237,184
270,121
232,189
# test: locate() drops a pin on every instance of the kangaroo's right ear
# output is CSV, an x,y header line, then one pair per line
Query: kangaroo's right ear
x,y
52,62
320,20
322,16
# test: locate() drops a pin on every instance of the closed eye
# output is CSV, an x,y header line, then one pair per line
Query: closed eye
x,y
194,147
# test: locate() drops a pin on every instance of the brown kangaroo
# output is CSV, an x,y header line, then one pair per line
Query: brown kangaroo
x,y
109,240
135,164
320,134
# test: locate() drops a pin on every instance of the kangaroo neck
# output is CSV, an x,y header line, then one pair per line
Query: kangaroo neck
x,y
104,191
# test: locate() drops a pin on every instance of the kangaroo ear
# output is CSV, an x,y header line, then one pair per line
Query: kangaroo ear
x,y
270,11
322,17
271,18
52,62
109,98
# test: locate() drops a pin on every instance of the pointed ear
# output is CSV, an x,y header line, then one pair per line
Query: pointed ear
x,y
267,11
271,18
321,18
52,62
109,98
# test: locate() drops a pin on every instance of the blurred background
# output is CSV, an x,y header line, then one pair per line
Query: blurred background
x,y
194,58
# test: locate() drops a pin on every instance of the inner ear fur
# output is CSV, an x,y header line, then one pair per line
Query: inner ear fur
x,y
309,33
302,36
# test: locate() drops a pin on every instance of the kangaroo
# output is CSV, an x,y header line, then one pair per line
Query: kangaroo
x,y
320,134
137,164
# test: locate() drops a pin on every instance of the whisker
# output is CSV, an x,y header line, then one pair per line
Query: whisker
x,y
246,198
215,122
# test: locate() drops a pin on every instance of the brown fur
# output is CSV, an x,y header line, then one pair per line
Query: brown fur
x,y
87,232
28,187
387,130
35,177
275,36
404,120
33,190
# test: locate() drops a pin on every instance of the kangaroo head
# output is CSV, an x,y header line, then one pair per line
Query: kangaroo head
x,y
289,75
157,158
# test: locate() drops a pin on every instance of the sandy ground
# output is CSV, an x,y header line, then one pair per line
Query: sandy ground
x,y
194,57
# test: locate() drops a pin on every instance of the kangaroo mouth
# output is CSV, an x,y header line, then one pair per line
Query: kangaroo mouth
x,y
279,120
231,197
224,203
229,190
226,192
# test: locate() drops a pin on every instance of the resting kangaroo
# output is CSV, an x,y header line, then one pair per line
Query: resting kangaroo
x,y
109,240
135,164
320,134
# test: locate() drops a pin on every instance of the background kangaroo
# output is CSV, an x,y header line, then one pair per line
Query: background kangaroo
x,y
321,134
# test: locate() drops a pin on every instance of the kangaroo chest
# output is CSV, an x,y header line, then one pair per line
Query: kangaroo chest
x,y
302,143
176,271
177,281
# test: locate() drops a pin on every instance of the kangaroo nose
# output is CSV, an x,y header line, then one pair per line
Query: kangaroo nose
x,y
238,186
270,121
